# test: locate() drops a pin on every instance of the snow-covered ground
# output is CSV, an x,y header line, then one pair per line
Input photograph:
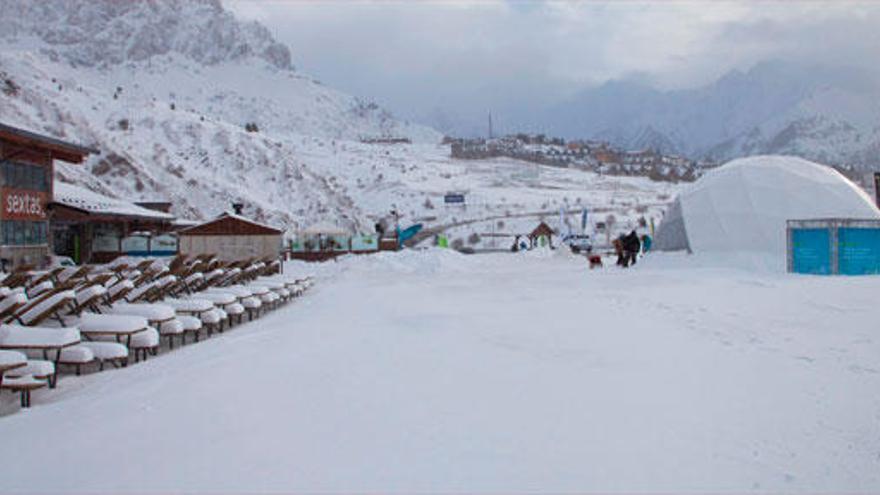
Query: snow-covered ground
x,y
432,371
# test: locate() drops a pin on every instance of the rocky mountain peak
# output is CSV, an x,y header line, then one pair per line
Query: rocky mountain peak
x,y
110,32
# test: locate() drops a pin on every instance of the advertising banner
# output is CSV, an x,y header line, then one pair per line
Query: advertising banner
x,y
105,242
163,245
136,245
19,204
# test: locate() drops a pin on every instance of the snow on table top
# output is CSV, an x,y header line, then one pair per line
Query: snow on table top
x,y
110,323
436,372
150,311
189,305
237,290
21,337
216,297
269,283
257,290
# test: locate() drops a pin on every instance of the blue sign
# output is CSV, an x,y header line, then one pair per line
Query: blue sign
x,y
453,199
811,251
858,251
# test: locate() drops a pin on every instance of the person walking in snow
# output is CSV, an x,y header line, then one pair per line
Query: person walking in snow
x,y
632,246
646,243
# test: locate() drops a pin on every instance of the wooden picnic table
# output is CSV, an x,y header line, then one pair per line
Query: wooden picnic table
x,y
35,338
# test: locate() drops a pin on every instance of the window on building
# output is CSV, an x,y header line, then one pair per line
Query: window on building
x,y
25,176
23,233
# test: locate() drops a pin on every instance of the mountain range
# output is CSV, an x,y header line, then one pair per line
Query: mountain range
x,y
828,114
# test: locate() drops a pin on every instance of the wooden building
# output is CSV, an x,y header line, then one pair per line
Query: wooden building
x,y
541,231
26,189
92,228
231,237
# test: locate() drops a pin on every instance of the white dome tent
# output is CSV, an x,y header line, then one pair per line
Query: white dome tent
x,y
742,206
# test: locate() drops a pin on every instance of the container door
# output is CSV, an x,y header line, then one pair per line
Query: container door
x,y
858,251
811,251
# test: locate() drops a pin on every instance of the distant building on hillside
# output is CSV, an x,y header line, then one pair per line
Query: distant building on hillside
x,y
596,156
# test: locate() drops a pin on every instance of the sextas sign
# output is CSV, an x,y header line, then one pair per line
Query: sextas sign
x,y
23,205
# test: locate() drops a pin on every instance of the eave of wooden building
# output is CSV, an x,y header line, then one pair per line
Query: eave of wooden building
x,y
230,224
57,149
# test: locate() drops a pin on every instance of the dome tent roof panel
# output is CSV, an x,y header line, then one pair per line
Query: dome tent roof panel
x,y
743,206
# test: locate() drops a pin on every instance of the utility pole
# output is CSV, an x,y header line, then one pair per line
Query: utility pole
x,y
490,125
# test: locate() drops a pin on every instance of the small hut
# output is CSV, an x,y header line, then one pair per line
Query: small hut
x,y
541,235
231,237
324,236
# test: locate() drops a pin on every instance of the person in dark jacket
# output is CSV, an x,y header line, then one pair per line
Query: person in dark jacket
x,y
632,246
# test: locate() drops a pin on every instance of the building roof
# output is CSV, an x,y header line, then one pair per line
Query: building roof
x,y
230,224
542,229
324,228
60,150
183,222
92,203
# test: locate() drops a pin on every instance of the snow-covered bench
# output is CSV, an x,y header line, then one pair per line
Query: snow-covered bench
x,y
225,301
49,342
245,297
160,316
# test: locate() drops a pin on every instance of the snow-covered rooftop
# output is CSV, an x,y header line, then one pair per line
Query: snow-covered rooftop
x,y
199,228
92,202
246,219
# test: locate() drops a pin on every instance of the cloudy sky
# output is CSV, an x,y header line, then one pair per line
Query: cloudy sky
x,y
415,56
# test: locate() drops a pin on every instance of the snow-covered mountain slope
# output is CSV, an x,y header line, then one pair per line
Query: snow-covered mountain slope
x,y
826,114
830,125
172,117
190,54
202,162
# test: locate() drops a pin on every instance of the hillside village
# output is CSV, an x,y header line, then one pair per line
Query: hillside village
x,y
594,156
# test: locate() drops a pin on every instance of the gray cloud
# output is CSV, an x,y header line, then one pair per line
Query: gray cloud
x,y
466,57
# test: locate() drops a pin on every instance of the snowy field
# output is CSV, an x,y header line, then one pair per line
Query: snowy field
x,y
433,371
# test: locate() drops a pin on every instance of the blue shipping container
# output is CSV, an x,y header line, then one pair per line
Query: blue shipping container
x,y
834,246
